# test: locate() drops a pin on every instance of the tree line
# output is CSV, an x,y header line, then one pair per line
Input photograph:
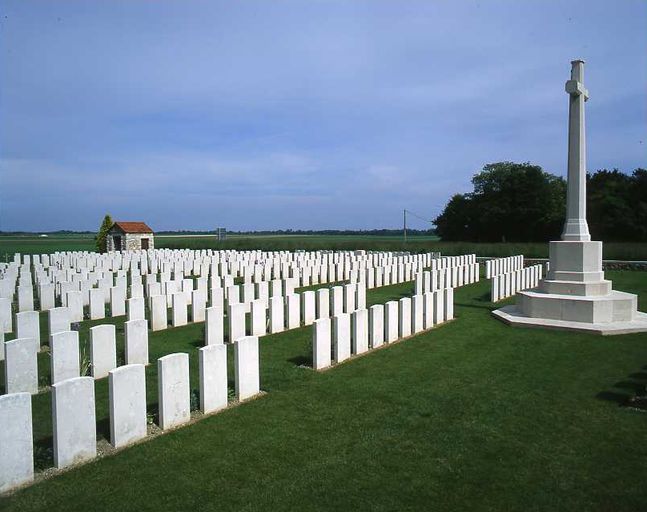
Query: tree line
x,y
520,202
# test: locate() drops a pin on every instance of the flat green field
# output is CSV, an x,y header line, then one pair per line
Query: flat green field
x,y
472,415
34,244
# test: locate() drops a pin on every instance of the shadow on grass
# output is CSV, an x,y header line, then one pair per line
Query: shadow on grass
x,y
489,307
635,394
301,360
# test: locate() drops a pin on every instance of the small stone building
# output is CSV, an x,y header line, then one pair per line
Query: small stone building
x,y
130,236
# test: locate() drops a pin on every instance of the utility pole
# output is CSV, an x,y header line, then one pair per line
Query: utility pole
x,y
404,230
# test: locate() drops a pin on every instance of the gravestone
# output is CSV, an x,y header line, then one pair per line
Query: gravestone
x,y
75,305
117,301
136,308
214,326
359,335
159,313
74,421
277,319
127,400
179,310
236,321
28,325
259,317
323,303
213,377
173,390
246,362
103,350
391,320
21,365
376,325
136,341
97,304
292,311
341,337
417,314
16,441
6,319
321,343
404,329
65,358
58,320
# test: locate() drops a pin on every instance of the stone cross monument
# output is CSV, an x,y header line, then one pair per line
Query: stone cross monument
x,y
575,295
576,227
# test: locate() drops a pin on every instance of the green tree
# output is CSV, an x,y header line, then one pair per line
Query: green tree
x,y
102,235
511,202
617,205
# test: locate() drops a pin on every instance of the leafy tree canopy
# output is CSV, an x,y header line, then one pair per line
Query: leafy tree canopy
x,y
522,203
102,235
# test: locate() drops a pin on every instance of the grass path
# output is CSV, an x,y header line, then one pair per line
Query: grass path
x,y
473,415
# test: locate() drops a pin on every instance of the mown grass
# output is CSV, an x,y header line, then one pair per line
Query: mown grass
x,y
34,245
473,415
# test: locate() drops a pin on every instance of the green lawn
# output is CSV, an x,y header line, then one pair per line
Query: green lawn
x,y
473,415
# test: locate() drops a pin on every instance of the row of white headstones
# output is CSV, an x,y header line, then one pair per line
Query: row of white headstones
x,y
54,283
73,395
273,316
82,273
509,276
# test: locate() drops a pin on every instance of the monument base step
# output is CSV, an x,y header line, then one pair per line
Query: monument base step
x,y
512,315
613,307
576,287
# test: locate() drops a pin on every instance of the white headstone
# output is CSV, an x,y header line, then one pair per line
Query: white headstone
x,y
341,337
428,306
449,303
360,331
292,311
58,320
391,320
75,305
180,313
321,343
25,297
65,362
21,365
103,350
97,304
213,378
136,308
117,301
308,307
159,313
404,329
376,325
46,295
417,313
74,421
173,390
28,325
214,326
16,441
198,305
236,321
6,319
136,341
127,398
277,320
247,367
259,317
323,303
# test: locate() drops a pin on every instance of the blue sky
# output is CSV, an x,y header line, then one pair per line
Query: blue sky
x,y
299,114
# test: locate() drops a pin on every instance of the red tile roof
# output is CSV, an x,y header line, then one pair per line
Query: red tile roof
x,y
132,227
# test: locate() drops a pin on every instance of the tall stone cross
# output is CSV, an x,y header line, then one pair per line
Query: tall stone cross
x,y
576,228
